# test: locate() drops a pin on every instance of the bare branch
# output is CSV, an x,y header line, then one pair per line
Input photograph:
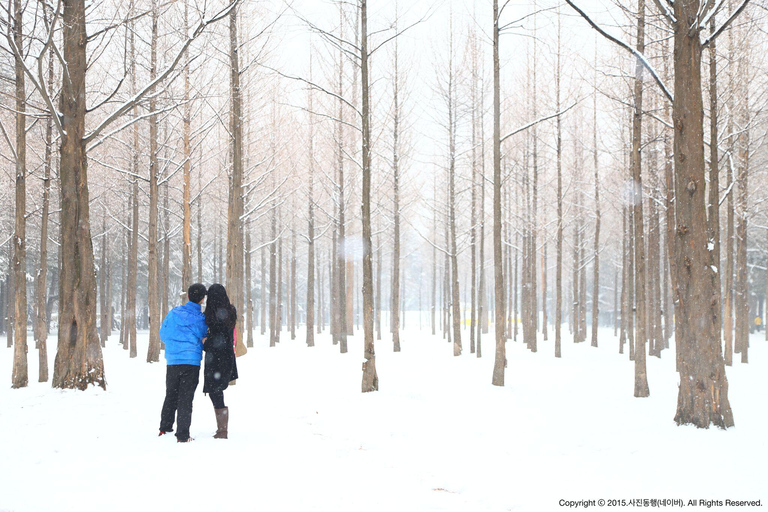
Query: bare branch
x,y
626,47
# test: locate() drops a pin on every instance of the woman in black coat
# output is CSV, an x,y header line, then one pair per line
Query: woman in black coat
x,y
219,346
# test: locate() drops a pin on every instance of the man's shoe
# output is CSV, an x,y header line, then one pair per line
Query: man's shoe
x,y
187,440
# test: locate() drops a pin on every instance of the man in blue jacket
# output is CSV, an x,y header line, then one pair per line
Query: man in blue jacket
x,y
183,331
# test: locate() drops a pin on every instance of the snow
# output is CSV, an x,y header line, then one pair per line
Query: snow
x,y
436,437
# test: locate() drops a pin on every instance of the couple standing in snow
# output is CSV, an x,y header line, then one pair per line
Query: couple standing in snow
x,y
186,332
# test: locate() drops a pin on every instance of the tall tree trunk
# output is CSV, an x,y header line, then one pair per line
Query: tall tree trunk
x,y
235,212
79,360
500,361
396,208
473,194
713,201
452,248
248,286
41,299
274,329
596,247
294,287
186,251
311,227
741,302
263,283
434,256
559,150
199,226
166,277
103,282
340,256
703,391
482,315
153,298
20,377
370,378
641,375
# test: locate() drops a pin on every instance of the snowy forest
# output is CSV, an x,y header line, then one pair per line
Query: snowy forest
x,y
365,175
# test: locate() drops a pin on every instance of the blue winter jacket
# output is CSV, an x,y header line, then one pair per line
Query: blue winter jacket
x,y
182,332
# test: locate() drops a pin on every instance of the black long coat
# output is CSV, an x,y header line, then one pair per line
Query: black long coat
x,y
220,364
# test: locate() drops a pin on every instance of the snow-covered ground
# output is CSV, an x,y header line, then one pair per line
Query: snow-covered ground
x,y
437,435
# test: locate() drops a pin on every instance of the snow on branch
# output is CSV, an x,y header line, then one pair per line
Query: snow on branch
x,y
40,85
532,123
129,104
624,45
726,24
665,11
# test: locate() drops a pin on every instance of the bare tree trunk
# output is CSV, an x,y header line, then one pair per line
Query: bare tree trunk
x,y
473,199
311,227
596,247
641,375
500,362
453,250
559,149
370,378
279,302
41,316
263,302
186,251
294,287
9,303
153,299
434,255
133,258
273,327
199,226
20,377
235,212
703,392
166,278
248,286
396,208
741,302
125,249
79,360
377,313
340,246
625,253
482,316
103,282
321,304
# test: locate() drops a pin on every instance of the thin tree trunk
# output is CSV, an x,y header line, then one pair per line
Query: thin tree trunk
x,y
559,150
153,299
186,250
370,380
741,302
641,375
500,361
596,248
234,275
311,227
396,209
41,316
20,377
103,281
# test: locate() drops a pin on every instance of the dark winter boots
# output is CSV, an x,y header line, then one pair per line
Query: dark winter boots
x,y
222,420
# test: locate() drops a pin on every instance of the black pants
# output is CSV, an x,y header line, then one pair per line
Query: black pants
x,y
218,399
180,384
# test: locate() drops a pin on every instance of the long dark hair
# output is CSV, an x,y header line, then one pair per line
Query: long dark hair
x,y
218,310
